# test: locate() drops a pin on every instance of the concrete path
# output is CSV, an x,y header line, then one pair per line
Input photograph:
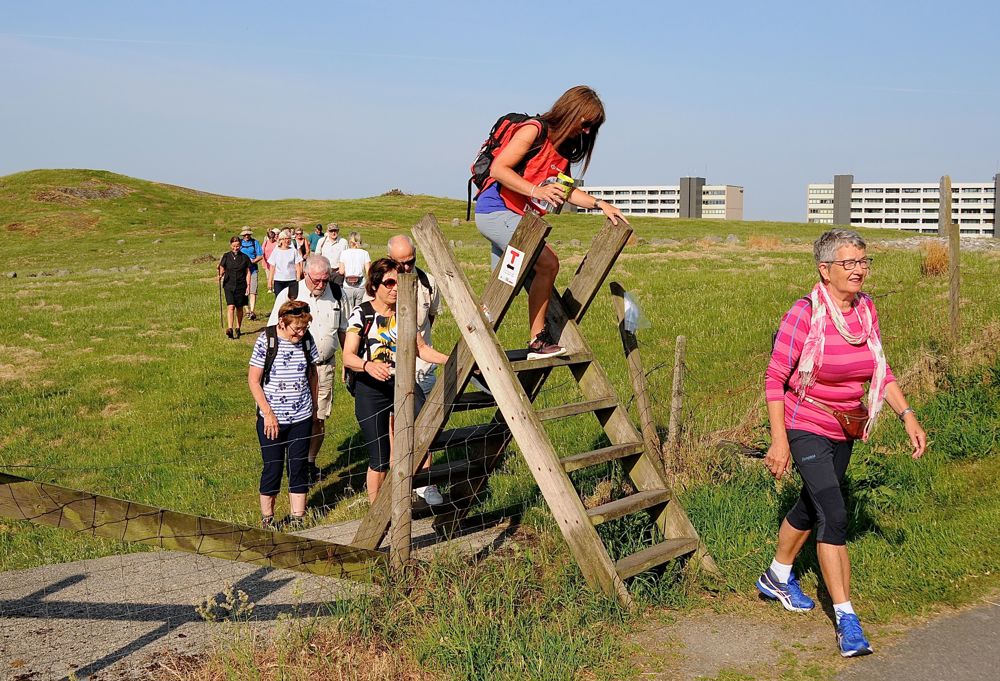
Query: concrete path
x,y
961,647
110,617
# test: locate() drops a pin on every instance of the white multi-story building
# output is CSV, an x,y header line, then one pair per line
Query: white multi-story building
x,y
911,207
692,198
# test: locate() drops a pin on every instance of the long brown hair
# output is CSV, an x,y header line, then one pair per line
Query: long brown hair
x,y
577,104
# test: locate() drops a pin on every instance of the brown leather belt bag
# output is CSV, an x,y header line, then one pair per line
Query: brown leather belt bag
x,y
852,421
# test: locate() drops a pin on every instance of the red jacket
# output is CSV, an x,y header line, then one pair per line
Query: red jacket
x,y
536,171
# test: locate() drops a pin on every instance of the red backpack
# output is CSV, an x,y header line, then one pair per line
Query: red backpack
x,y
499,135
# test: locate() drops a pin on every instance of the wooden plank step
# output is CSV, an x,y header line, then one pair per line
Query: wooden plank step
x,y
546,362
578,461
460,436
585,407
657,554
446,472
633,503
474,400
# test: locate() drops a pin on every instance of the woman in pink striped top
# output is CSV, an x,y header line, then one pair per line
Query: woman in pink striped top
x,y
827,347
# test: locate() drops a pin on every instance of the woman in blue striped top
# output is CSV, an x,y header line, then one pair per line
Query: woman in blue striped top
x,y
286,407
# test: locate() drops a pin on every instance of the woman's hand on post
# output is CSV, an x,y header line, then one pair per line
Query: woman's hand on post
x,y
613,212
778,459
918,438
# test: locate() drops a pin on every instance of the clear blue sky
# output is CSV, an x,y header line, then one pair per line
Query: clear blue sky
x,y
338,99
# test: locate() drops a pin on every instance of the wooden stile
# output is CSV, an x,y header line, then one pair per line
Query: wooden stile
x,y
406,382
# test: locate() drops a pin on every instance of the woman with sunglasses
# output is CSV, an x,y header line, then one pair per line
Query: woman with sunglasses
x,y
827,347
370,351
538,149
301,244
286,407
286,264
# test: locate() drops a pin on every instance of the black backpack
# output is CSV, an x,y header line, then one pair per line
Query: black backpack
x,y
499,135
367,319
271,334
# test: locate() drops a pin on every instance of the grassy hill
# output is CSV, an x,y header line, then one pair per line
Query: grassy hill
x,y
115,376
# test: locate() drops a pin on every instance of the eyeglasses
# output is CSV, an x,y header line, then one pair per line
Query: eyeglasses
x,y
389,283
297,311
849,265
408,264
319,281
298,234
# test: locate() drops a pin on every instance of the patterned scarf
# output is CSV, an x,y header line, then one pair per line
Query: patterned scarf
x,y
812,351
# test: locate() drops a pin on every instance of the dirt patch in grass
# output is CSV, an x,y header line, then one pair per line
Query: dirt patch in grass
x,y
325,654
89,190
114,409
131,359
22,228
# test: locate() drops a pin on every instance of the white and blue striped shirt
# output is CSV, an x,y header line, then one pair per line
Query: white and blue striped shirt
x,y
288,390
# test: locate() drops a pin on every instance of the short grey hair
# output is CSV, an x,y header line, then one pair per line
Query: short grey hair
x,y
826,246
317,262
398,237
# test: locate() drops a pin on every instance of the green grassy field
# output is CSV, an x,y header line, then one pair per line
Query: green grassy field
x,y
115,377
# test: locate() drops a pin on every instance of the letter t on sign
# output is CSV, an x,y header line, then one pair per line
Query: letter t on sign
x,y
510,265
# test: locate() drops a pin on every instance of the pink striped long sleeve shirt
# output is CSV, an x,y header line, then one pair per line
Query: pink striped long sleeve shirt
x,y
840,382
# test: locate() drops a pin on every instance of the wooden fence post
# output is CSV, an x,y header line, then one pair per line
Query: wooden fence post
x,y
406,378
676,397
948,227
650,438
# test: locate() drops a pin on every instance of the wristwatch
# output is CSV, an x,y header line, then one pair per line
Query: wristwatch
x,y
596,202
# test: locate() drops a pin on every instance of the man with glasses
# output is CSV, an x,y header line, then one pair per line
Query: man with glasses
x,y
331,247
253,250
328,327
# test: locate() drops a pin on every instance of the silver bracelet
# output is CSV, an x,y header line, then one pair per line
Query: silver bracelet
x,y
902,414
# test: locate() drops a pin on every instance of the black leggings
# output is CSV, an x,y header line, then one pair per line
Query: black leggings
x,y
373,402
293,439
822,463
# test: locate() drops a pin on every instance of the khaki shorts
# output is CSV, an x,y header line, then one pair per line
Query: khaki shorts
x,y
324,392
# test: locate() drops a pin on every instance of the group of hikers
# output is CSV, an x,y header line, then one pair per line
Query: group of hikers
x,y
827,348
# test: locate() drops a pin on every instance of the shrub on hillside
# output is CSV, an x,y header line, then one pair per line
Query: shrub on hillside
x,y
933,259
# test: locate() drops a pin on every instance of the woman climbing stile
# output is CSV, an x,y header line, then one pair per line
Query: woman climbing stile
x,y
563,135
828,345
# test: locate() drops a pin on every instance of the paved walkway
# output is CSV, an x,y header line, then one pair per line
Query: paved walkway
x,y
960,647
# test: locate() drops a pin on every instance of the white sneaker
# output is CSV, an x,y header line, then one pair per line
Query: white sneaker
x,y
430,494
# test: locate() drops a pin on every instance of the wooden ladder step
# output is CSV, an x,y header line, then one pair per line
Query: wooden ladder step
x,y
657,554
474,400
446,472
457,437
547,362
585,407
633,503
578,461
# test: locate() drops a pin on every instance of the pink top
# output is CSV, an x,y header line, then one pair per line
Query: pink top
x,y
840,380
268,247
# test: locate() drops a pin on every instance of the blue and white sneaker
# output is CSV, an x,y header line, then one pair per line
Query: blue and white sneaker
x,y
789,594
850,638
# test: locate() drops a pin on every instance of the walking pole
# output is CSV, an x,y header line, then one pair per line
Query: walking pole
x,y
222,311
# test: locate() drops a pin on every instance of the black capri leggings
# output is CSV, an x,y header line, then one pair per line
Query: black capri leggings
x,y
291,447
373,402
822,463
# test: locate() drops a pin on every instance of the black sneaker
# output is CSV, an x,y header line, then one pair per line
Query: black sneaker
x,y
542,347
267,523
252,316
229,333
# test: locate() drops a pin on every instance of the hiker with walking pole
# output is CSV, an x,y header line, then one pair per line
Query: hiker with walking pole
x,y
234,277
827,347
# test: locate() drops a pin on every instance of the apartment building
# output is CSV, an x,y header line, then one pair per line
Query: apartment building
x,y
692,198
912,207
